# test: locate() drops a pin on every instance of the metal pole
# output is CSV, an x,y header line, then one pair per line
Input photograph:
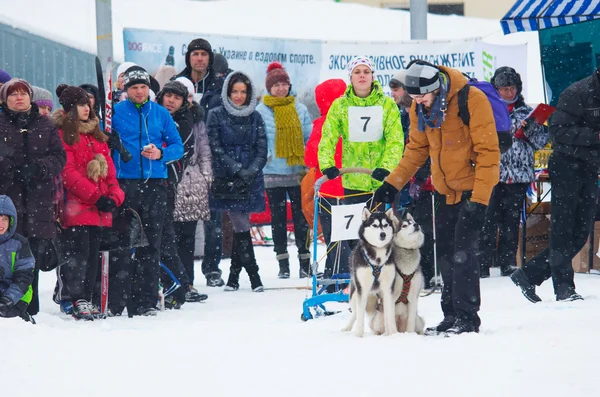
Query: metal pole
x,y
418,19
104,37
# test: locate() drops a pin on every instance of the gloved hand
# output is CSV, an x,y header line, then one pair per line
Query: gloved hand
x,y
380,174
246,176
6,305
331,172
386,193
414,191
105,204
472,214
27,172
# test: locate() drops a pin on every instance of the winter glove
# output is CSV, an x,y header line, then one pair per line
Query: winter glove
x,y
414,191
27,172
386,193
6,305
331,172
105,204
380,174
246,176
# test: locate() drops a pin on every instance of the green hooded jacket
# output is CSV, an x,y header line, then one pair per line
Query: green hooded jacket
x,y
371,132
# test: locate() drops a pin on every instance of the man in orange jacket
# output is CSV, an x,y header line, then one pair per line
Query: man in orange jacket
x,y
464,167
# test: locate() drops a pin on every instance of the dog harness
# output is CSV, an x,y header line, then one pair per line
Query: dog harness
x,y
406,281
374,268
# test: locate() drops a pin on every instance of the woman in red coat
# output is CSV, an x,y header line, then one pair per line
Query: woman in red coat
x,y
325,93
91,191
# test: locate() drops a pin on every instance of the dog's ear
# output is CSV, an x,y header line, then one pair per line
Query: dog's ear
x,y
365,214
408,216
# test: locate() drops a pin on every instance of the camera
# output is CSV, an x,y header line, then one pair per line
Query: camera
x,y
114,142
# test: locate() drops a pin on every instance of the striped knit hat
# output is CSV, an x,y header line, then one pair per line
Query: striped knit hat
x,y
360,60
421,79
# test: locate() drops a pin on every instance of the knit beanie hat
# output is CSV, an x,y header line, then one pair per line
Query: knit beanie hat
x,y
220,64
173,87
4,76
136,75
42,97
360,60
199,44
13,85
506,76
69,96
276,74
398,80
421,79
187,83
123,67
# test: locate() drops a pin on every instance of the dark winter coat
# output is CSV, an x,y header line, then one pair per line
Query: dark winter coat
x,y
575,126
184,121
82,183
16,260
210,87
29,138
238,141
516,164
191,203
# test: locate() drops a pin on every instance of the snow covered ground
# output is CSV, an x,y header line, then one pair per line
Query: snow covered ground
x,y
249,344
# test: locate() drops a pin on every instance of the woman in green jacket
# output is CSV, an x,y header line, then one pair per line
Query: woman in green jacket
x,y
369,123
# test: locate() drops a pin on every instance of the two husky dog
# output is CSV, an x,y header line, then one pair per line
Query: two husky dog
x,y
385,275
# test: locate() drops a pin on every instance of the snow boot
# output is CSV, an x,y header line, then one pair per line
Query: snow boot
x,y
96,312
284,265
82,310
192,295
146,311
507,270
519,278
214,280
66,307
461,326
445,325
304,260
245,254
233,282
484,272
567,294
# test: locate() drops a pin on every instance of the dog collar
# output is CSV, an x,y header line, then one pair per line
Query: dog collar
x,y
376,269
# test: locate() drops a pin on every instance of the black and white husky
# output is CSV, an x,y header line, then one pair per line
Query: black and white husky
x,y
409,280
373,271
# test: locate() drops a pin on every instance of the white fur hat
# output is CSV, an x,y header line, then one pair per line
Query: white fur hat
x,y
123,67
187,83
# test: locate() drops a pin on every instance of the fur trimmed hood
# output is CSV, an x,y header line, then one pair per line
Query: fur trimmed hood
x,y
59,116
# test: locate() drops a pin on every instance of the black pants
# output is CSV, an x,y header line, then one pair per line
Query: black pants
x,y
457,239
421,212
134,276
503,214
278,205
169,249
39,250
213,244
185,233
76,279
574,195
342,248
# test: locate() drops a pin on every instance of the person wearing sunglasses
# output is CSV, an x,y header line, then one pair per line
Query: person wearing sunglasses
x,y
465,162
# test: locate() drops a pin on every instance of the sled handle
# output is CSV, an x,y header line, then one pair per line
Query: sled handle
x,y
348,170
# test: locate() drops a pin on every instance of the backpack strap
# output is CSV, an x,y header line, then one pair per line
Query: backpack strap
x,y
463,105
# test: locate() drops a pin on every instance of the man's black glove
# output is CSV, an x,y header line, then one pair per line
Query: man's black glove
x,y
105,204
27,172
380,174
331,172
6,305
246,176
386,193
472,214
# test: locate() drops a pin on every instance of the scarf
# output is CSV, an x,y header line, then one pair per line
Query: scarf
x,y
435,116
289,142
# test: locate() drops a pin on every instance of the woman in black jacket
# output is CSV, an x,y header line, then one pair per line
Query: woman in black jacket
x,y
239,152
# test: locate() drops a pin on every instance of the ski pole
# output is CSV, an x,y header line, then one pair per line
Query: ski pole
x,y
435,267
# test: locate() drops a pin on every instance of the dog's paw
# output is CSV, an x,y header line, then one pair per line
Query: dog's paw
x,y
347,329
359,333
390,333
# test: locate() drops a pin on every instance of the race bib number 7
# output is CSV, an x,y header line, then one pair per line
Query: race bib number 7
x,y
365,123
345,221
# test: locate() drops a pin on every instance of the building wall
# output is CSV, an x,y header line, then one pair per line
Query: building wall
x,y
43,62
493,9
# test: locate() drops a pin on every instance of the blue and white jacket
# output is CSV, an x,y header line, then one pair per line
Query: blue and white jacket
x,y
138,127
517,163
16,260
277,165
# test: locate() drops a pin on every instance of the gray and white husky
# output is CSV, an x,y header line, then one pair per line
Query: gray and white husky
x,y
409,280
373,271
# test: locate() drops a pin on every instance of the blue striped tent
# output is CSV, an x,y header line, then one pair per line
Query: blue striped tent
x,y
531,15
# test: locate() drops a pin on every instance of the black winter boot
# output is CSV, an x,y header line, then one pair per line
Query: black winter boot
x,y
245,252
445,325
233,282
304,265
484,271
284,265
567,294
507,270
519,278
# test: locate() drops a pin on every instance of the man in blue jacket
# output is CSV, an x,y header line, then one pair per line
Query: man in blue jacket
x,y
16,264
149,133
